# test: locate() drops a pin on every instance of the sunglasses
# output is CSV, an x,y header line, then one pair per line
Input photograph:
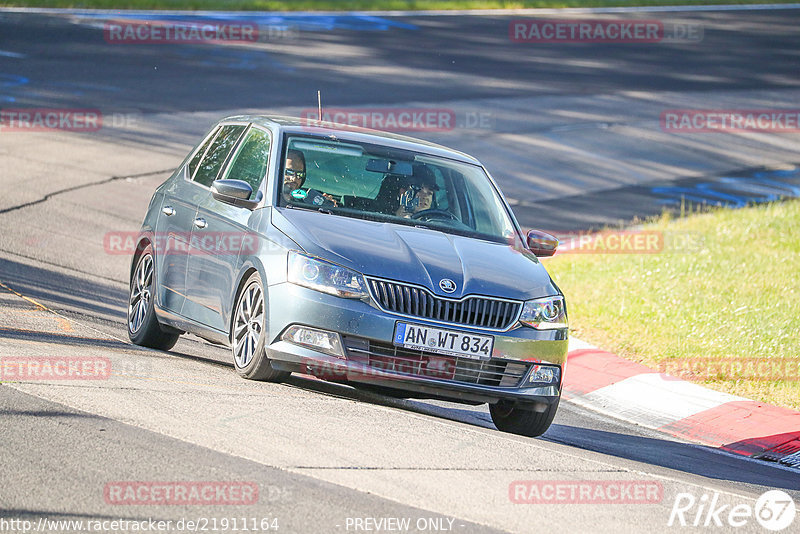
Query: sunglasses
x,y
297,174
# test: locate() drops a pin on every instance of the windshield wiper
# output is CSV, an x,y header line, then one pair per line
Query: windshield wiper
x,y
308,208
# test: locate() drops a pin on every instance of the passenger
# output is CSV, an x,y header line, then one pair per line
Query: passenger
x,y
418,195
388,197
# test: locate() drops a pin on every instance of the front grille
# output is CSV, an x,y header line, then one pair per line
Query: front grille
x,y
386,357
483,312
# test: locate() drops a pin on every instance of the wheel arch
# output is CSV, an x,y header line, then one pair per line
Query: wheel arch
x,y
248,268
142,242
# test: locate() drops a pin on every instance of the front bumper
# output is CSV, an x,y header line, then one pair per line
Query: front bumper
x,y
517,349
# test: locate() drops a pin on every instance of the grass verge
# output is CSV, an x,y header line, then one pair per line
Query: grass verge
x,y
354,5
725,311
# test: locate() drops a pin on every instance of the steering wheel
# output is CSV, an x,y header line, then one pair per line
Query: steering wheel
x,y
434,213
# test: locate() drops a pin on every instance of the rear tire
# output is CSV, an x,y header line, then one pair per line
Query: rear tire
x,y
510,417
143,326
249,333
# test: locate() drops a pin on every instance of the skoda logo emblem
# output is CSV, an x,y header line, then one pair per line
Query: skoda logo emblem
x,y
447,285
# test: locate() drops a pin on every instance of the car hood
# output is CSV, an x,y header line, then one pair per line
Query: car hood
x,y
417,255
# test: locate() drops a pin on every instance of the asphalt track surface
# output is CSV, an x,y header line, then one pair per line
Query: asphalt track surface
x,y
323,454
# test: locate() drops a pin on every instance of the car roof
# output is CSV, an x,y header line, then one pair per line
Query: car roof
x,y
296,125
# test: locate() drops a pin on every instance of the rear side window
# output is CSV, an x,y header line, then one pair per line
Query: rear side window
x,y
217,154
199,154
251,160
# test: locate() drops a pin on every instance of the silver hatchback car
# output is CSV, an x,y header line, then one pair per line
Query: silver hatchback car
x,y
361,257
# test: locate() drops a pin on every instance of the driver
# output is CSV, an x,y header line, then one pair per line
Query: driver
x,y
418,195
294,176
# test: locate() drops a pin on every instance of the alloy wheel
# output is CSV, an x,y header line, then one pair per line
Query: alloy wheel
x,y
141,293
248,325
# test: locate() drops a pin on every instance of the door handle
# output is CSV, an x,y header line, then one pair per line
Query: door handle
x,y
169,211
200,222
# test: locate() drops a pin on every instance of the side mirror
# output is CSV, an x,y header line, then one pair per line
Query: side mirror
x,y
235,192
542,243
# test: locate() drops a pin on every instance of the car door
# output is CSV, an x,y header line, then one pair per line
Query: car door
x,y
185,196
174,227
222,234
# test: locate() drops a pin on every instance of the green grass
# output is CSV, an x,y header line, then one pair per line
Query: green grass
x,y
733,298
353,5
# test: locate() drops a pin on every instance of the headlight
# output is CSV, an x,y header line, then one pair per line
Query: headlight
x,y
326,277
544,314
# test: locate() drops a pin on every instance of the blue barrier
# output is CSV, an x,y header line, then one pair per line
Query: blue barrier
x,y
303,21
8,81
759,188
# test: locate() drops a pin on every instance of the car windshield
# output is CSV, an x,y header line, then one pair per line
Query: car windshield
x,y
375,182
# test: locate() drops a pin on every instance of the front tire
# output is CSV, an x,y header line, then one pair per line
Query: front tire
x,y
143,326
249,333
510,417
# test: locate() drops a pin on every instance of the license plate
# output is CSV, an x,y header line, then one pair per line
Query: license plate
x,y
441,341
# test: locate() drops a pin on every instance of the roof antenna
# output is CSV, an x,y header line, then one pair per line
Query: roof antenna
x,y
319,104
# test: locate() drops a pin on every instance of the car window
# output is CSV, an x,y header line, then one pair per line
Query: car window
x,y
375,182
251,159
217,154
201,151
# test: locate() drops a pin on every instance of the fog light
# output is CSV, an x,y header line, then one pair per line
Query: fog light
x,y
321,340
544,374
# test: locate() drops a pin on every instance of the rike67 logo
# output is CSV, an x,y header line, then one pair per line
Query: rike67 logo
x,y
774,510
